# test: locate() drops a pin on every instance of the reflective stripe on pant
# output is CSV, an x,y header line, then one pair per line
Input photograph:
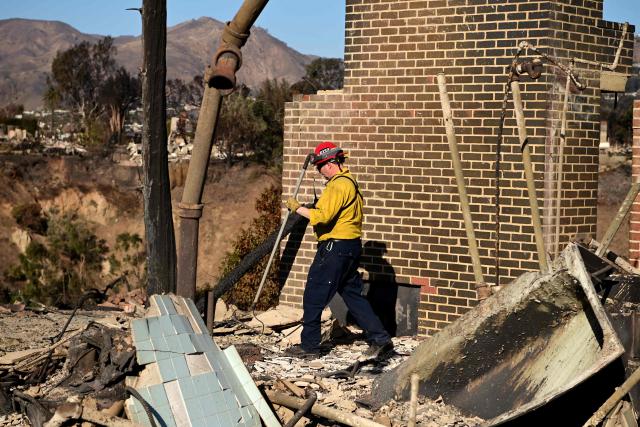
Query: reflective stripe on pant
x,y
335,269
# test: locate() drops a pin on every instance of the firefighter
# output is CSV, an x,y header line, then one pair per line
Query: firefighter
x,y
337,224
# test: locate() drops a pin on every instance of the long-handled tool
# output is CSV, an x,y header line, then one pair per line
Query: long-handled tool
x,y
481,287
284,222
528,170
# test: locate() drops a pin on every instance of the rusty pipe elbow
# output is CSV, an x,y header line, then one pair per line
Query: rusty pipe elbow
x,y
224,65
532,68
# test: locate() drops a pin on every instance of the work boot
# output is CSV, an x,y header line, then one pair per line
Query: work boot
x,y
301,353
378,351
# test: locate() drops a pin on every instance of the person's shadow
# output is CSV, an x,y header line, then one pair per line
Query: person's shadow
x,y
380,288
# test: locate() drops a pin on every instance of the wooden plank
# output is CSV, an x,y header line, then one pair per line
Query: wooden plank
x,y
611,81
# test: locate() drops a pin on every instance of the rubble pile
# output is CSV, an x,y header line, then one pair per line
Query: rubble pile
x,y
429,414
86,375
332,377
50,372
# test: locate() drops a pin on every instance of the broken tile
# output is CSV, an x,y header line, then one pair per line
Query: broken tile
x,y
145,357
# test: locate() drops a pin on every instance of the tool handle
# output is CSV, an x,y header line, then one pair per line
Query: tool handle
x,y
279,237
310,158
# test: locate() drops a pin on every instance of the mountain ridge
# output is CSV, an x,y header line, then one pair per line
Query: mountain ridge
x,y
30,45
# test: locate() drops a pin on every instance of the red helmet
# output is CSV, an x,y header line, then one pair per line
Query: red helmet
x,y
325,152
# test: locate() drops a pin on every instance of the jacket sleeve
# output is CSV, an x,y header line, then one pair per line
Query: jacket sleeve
x,y
329,204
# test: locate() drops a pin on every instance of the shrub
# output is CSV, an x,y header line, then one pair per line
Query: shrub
x,y
58,270
242,294
29,217
128,259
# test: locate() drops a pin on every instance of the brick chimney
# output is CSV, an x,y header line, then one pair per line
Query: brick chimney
x,y
388,118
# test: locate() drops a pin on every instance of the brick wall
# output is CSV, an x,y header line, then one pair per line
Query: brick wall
x,y
634,221
388,119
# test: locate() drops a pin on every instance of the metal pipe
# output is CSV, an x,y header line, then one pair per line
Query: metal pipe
x,y
559,178
192,194
611,402
276,245
481,286
619,261
413,403
228,59
617,221
224,74
342,417
234,37
528,171
189,215
613,66
308,404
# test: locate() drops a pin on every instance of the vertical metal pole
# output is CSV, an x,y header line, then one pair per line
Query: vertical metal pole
x,y
617,221
528,171
413,403
190,209
481,286
559,178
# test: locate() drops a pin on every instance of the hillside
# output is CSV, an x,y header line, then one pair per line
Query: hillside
x,y
29,46
108,196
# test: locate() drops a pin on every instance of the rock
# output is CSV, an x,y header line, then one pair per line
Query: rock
x,y
364,413
291,336
280,317
346,405
222,313
316,364
21,239
382,419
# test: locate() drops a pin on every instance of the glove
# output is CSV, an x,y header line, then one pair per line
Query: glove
x,y
292,204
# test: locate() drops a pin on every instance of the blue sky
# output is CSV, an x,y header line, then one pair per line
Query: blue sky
x,y
309,26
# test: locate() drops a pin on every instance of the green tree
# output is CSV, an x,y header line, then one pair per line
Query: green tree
x,y
128,259
79,73
52,101
118,94
619,117
239,127
58,269
321,74
270,102
181,93
243,293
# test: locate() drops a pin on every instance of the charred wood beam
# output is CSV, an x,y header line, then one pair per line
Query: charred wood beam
x,y
158,220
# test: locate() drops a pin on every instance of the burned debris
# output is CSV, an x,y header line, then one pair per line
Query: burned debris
x,y
556,346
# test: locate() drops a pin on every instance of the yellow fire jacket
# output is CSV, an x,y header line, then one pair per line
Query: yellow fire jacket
x,y
338,212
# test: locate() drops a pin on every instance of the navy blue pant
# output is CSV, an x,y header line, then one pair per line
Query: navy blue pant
x,y
335,269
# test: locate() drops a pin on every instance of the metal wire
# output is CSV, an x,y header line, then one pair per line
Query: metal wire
x,y
145,405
